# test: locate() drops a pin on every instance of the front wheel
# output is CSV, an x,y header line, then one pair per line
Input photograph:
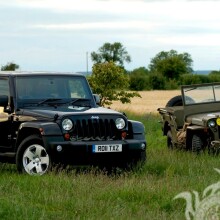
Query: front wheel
x,y
137,161
169,140
197,144
32,157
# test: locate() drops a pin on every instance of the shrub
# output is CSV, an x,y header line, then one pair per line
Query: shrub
x,y
157,81
139,82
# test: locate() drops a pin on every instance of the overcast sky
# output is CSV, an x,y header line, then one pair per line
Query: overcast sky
x,y
55,35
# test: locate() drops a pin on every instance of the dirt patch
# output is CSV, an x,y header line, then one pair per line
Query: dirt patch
x,y
149,103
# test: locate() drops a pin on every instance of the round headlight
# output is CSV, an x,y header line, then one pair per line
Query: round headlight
x,y
120,123
67,124
211,123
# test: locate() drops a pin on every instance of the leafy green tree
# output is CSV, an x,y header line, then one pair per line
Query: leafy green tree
x,y
115,52
139,83
10,67
188,79
139,79
214,72
215,77
140,71
157,81
171,64
110,82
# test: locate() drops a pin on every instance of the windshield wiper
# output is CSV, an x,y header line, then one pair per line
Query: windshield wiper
x,y
48,100
80,100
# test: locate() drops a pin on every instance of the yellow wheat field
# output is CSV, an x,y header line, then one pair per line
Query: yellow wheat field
x,y
149,103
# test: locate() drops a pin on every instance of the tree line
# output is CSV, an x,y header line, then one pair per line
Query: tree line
x,y
167,70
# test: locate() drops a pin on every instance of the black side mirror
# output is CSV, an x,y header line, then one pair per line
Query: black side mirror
x,y
3,100
97,98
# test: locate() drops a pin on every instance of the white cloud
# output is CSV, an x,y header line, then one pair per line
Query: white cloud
x,y
115,6
143,26
131,25
206,40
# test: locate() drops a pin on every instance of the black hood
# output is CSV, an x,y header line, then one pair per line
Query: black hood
x,y
59,112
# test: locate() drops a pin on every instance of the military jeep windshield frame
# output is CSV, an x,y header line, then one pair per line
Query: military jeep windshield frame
x,y
199,94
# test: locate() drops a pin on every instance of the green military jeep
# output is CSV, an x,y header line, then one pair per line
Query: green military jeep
x,y
192,121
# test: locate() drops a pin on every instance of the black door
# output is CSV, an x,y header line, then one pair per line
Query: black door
x,y
5,121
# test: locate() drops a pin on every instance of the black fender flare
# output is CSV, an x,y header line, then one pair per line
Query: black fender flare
x,y
45,128
138,129
40,128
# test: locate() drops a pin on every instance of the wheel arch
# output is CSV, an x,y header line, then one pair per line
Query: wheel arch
x,y
194,130
24,133
137,128
35,128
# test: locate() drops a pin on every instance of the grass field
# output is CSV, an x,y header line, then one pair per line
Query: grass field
x,y
145,193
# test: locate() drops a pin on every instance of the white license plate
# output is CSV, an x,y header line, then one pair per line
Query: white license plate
x,y
107,148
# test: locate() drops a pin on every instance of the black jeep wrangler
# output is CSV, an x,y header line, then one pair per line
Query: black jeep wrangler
x,y
50,118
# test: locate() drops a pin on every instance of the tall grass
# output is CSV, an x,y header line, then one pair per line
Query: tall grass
x,y
146,193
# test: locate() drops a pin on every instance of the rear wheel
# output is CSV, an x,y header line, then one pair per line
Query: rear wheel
x,y
32,157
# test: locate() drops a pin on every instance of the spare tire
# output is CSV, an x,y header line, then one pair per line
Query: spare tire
x,y
175,101
178,101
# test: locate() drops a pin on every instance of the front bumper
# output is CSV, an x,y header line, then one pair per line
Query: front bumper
x,y
81,153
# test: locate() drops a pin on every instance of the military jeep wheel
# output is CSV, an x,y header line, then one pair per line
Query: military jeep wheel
x,y
169,140
32,157
196,143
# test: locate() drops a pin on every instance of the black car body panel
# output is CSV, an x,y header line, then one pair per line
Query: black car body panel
x,y
60,110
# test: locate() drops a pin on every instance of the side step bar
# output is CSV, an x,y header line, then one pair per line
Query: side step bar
x,y
8,154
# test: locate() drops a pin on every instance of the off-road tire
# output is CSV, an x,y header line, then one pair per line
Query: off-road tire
x,y
196,144
178,101
175,101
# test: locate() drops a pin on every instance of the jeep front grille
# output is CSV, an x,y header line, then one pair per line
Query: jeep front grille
x,y
94,129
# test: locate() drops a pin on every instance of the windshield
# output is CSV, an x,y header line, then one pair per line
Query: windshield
x,y
48,88
201,94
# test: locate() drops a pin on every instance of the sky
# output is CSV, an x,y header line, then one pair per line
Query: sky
x,y
55,35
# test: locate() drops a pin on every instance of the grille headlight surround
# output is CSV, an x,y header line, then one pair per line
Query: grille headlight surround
x,y
67,124
120,123
212,123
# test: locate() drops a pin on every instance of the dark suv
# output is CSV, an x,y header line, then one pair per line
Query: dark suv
x,y
50,118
